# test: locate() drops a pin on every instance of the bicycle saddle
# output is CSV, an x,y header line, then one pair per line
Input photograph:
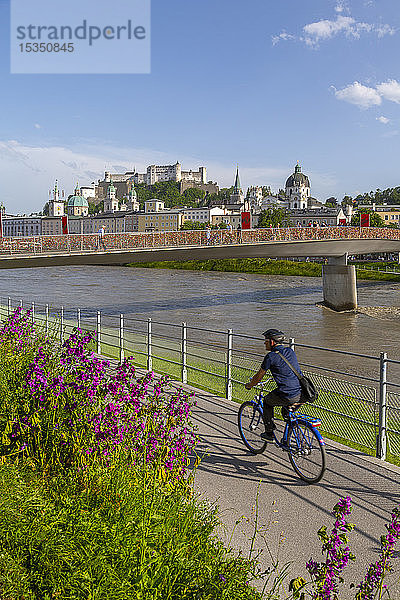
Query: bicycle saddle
x,y
290,409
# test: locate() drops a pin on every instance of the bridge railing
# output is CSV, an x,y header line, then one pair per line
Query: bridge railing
x,y
76,243
359,395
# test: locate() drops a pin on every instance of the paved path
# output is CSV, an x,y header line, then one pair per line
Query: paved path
x,y
291,510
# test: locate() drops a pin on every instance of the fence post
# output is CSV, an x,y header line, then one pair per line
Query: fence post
x,y
149,352
47,319
78,318
121,339
8,306
33,313
228,388
98,333
291,343
382,434
62,325
183,353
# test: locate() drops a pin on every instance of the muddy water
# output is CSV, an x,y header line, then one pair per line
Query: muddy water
x,y
246,303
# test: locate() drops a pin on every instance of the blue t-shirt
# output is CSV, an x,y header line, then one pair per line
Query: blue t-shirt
x,y
287,382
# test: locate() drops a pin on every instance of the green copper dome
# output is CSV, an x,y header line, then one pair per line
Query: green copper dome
x,y
77,201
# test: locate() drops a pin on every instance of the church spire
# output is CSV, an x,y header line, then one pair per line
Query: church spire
x,y
237,180
56,193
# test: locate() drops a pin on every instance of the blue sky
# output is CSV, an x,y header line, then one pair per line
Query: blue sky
x,y
262,84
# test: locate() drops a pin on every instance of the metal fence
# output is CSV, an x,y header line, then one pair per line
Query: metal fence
x,y
359,395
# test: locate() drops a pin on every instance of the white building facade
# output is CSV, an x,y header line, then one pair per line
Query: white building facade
x,y
156,173
22,226
297,189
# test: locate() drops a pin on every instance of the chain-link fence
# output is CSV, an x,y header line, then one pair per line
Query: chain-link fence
x,y
358,395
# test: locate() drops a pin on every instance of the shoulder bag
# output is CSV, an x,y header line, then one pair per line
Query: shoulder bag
x,y
308,391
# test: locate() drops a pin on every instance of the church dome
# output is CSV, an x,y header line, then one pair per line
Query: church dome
x,y
297,178
77,201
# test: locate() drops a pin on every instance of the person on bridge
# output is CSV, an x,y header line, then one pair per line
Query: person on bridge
x,y
239,233
288,390
101,238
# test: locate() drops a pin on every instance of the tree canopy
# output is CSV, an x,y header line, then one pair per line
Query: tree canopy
x,y
388,196
191,225
272,217
332,202
375,220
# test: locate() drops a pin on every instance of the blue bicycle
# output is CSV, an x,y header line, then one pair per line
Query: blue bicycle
x,y
301,438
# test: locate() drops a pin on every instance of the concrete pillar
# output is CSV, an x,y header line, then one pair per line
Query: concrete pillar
x,y
340,286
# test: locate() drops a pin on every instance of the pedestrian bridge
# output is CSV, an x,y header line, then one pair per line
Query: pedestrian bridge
x,y
121,248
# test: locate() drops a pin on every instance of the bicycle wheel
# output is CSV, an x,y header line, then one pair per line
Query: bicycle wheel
x,y
251,426
306,451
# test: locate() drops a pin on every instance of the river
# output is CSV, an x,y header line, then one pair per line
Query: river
x,y
247,303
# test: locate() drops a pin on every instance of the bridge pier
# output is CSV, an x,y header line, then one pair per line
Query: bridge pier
x,y
339,283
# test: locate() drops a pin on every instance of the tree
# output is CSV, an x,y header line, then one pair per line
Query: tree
x,y
167,191
347,200
191,225
274,217
375,220
212,199
266,190
332,201
225,193
193,195
95,208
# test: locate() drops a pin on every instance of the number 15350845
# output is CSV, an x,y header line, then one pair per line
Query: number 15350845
x,y
43,47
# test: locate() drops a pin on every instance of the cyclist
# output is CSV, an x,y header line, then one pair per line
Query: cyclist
x,y
288,390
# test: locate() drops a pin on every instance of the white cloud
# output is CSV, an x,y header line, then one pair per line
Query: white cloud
x,y
365,97
37,126
360,95
390,90
383,120
325,29
383,30
339,8
282,37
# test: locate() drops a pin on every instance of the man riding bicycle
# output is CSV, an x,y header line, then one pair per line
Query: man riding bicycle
x,y
288,390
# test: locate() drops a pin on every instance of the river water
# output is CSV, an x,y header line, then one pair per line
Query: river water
x,y
247,303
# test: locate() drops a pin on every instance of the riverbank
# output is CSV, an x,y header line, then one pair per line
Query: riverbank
x,y
263,266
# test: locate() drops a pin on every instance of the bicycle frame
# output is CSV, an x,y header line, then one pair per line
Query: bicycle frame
x,y
292,420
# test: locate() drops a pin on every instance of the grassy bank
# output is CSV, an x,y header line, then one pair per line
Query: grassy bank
x,y
263,266
97,501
